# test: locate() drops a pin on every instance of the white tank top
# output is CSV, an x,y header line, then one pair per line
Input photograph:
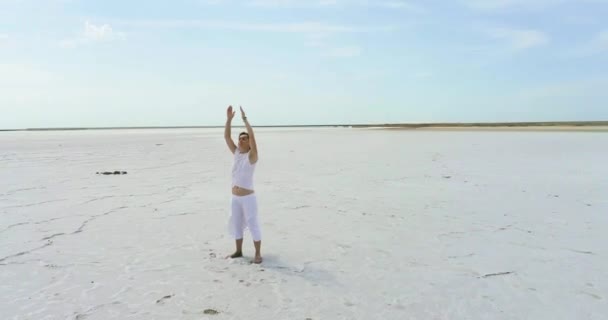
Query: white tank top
x,y
242,170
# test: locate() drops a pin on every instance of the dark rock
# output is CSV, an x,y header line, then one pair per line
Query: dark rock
x,y
497,274
164,298
210,311
111,172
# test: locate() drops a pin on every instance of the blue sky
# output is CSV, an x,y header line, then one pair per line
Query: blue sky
x,y
71,63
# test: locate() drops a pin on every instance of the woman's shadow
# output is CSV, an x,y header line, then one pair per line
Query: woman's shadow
x,y
311,271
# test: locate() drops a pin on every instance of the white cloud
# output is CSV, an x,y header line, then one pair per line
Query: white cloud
x,y
520,39
315,34
302,27
305,27
98,33
93,33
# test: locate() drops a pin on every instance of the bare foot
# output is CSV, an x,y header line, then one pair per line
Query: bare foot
x,y
257,259
237,254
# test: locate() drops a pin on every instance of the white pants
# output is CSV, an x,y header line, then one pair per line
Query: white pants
x,y
244,215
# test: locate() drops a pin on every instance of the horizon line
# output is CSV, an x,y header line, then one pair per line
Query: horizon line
x,y
355,125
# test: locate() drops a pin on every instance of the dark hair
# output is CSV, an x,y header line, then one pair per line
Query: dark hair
x,y
244,133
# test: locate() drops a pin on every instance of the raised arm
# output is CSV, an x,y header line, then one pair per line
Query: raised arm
x,y
227,137
253,153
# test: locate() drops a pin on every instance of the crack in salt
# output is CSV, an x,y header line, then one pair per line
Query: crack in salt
x,y
34,204
81,228
48,239
25,252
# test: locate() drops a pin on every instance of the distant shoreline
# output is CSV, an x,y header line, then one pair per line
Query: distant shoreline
x,y
559,126
586,126
508,128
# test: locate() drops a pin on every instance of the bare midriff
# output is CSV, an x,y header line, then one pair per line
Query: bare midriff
x,y
238,191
